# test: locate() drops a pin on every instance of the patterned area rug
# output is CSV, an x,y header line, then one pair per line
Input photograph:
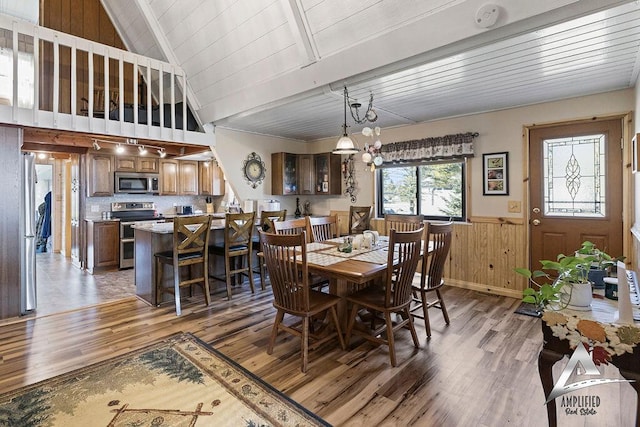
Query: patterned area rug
x,y
179,381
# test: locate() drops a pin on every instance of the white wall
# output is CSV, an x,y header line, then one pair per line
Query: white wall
x,y
233,147
499,131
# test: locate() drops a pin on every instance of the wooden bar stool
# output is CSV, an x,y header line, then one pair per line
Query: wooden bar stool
x,y
237,246
190,243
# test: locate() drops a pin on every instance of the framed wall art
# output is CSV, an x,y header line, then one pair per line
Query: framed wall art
x,y
495,172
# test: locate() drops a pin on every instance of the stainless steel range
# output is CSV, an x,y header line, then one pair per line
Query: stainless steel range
x,y
130,213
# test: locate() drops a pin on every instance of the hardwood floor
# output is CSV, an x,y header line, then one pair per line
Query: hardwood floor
x,y
62,287
479,371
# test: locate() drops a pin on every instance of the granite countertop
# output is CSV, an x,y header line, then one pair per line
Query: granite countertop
x,y
167,227
102,220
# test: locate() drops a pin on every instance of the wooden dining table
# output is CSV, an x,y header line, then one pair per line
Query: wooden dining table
x,y
347,271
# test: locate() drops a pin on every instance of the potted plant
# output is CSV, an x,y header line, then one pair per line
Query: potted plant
x,y
600,265
569,288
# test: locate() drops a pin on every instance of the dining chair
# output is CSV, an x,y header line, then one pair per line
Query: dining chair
x,y
296,226
236,247
266,224
401,222
359,219
431,277
291,226
393,297
322,228
286,259
190,243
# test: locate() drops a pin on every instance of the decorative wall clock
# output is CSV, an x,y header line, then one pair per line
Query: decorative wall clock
x,y
254,170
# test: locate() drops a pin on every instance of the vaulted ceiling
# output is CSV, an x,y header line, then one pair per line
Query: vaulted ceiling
x,y
278,67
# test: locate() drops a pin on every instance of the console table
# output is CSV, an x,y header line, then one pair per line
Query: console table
x,y
563,330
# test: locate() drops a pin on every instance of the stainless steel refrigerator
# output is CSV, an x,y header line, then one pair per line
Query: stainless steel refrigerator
x,y
28,233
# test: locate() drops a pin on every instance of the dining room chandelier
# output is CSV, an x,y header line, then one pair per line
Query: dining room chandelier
x,y
345,144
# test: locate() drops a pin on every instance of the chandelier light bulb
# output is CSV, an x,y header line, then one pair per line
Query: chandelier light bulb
x,y
378,144
366,157
377,130
372,116
366,131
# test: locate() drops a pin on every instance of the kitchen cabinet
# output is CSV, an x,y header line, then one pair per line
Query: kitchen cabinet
x,y
136,164
328,179
100,175
210,179
188,178
306,174
169,177
103,244
284,177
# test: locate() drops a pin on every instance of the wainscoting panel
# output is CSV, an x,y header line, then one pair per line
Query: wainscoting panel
x,y
484,253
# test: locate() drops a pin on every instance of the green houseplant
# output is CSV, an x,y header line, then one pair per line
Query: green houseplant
x,y
600,264
569,287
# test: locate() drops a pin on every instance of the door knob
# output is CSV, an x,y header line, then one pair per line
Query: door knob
x,y
536,222
536,210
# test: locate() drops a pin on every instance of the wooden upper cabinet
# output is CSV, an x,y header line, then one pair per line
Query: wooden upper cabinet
x,y
148,165
328,179
169,177
100,175
306,174
188,178
136,164
284,176
210,179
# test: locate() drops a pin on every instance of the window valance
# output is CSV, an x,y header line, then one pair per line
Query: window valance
x,y
446,147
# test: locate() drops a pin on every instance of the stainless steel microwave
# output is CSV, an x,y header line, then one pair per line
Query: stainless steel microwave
x,y
136,183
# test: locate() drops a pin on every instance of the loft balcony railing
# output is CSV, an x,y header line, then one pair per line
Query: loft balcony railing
x,y
54,80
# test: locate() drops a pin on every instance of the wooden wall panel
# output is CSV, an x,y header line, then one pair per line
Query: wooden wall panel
x,y
10,238
484,254
86,19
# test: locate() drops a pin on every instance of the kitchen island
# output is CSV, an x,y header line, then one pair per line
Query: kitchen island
x,y
151,239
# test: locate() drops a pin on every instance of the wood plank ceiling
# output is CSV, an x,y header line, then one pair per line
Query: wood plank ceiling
x,y
278,67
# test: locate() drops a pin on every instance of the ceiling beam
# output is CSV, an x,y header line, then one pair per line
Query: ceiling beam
x,y
448,32
35,139
301,32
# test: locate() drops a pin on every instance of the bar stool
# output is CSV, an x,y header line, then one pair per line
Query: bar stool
x,y
237,245
190,243
266,224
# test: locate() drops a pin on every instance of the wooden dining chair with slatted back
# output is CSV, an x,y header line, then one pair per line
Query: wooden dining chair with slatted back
x,y
236,249
291,226
323,228
401,222
266,224
392,298
296,226
190,243
359,219
431,277
286,259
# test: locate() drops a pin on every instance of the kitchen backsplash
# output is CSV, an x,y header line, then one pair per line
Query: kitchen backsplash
x,y
164,204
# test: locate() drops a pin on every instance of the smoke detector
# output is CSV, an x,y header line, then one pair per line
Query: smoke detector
x,y
487,15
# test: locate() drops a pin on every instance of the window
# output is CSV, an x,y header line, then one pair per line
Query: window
x,y
434,190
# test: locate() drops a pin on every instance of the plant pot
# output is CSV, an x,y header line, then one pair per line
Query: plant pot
x,y
596,276
577,296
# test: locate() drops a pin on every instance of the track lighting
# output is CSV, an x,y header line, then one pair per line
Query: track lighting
x,y
121,146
